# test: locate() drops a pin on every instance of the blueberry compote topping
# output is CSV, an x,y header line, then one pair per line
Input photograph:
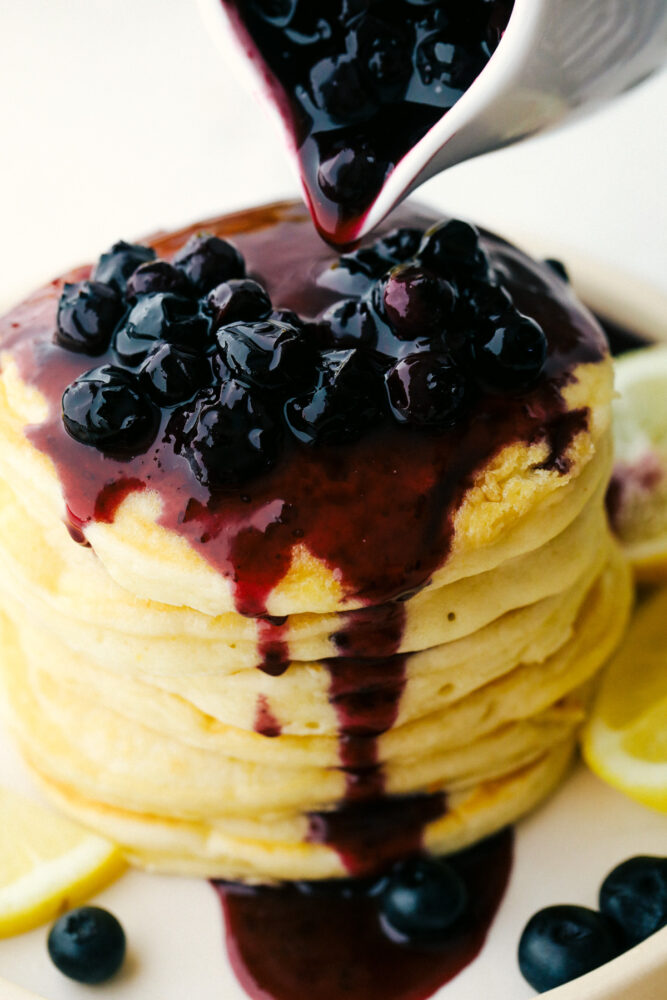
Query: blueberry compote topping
x,y
360,82
335,936
379,383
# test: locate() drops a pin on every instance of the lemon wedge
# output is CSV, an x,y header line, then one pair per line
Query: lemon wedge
x,y
638,492
625,739
47,864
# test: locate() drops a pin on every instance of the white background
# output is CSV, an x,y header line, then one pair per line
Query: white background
x,y
117,118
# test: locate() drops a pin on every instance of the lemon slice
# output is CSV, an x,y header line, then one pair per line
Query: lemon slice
x,y
47,864
625,740
638,493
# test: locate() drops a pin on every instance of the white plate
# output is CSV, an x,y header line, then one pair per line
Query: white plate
x,y
563,851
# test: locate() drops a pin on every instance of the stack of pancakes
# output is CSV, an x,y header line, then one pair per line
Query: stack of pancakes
x,y
134,684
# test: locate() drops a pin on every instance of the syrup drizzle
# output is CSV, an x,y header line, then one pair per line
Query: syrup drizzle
x,y
399,488
325,941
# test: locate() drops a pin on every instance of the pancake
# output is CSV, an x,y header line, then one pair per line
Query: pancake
x,y
403,629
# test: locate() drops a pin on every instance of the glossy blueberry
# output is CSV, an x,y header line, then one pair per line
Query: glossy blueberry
x,y
511,356
171,375
451,247
399,245
87,944
161,317
487,301
289,317
276,12
266,354
417,303
635,895
230,436
355,273
425,390
351,173
156,276
351,323
339,89
341,405
107,409
384,53
207,261
561,943
447,68
421,901
558,267
87,314
237,299
117,264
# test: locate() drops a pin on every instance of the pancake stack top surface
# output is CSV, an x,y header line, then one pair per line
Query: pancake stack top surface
x,y
306,561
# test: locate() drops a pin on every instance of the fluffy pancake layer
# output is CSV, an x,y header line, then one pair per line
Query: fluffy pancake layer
x,y
133,677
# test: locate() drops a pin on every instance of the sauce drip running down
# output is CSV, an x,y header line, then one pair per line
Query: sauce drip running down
x,y
325,941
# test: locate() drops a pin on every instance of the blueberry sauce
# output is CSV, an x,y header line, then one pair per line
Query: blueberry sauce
x,y
266,723
359,83
329,936
312,495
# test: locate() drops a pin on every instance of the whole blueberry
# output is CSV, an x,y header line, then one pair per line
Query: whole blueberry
x,y
171,375
156,276
511,356
276,12
266,353
384,52
487,300
399,245
343,402
558,267
107,409
87,944
351,323
561,943
117,264
453,246
351,173
425,390
87,314
421,901
354,273
635,895
339,89
230,436
237,299
208,260
417,303
161,317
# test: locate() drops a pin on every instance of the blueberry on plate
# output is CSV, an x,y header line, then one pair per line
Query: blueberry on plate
x,y
266,354
117,264
207,261
343,403
561,943
425,390
171,375
421,901
417,303
399,245
106,408
87,944
156,276
230,436
558,267
237,299
511,356
453,246
87,315
635,895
